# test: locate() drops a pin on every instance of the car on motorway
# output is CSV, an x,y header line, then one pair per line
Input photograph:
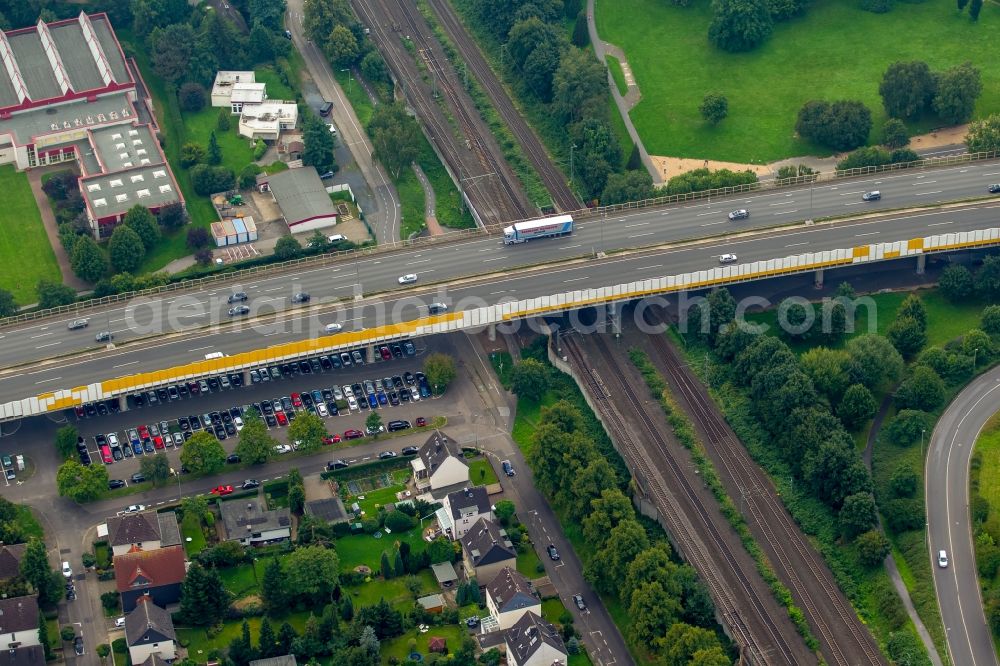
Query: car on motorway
x,y
386,455
352,433
994,188
301,297
333,328
104,336
77,324
578,600
437,308
249,484
408,278
727,258
873,195
943,559
553,553
740,214
237,297
508,469
239,310
222,490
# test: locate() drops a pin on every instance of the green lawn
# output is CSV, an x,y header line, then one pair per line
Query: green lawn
x,y
617,74
27,523
25,253
481,472
199,644
237,151
412,202
393,591
103,555
527,562
988,448
552,609
242,581
835,51
365,549
400,647
191,529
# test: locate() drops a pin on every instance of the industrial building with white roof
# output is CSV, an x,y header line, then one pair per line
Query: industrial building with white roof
x,y
67,93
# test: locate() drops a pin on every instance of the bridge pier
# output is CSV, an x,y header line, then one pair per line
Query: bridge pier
x,y
921,263
123,402
819,278
613,318
370,354
491,332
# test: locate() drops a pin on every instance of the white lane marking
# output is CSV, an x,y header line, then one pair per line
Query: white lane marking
x,y
200,348
422,261
711,212
48,345
938,224
640,235
637,224
783,203
493,259
568,247
646,268
268,291
870,233
576,279
854,203
796,244
50,379
41,335
922,194
714,223
992,173
122,365
924,182
787,212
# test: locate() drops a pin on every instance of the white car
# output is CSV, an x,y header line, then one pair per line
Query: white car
x,y
408,278
333,328
352,402
238,422
415,393
727,258
178,439
321,408
943,559
740,214
67,570
134,508
337,393
120,622
113,439
348,391
282,448
333,130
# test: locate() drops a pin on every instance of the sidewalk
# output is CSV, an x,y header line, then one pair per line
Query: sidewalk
x,y
430,202
52,230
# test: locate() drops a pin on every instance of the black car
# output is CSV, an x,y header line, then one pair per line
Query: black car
x,y
250,483
275,372
301,297
184,423
235,411
114,484
195,422
398,425
408,348
386,455
270,421
304,367
231,430
182,390
239,310
397,382
236,379
410,450
232,459
306,398
393,398
102,409
331,408
213,383
90,409
508,469
409,378
337,464
404,395
138,477
139,399
553,553
335,361
994,188
162,394
315,365
78,645
327,394
325,362
239,296
397,351
266,408
172,393
220,432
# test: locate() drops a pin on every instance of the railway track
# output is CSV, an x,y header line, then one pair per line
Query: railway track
x,y
844,640
697,535
553,179
470,153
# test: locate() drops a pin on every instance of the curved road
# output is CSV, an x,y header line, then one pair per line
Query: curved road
x,y
970,641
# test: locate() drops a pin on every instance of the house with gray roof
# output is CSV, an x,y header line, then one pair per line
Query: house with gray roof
x,y
64,88
148,530
26,655
149,630
486,550
508,597
301,197
19,621
250,523
462,508
534,642
439,464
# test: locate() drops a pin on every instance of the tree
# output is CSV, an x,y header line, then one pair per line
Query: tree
x,y
386,567
857,514
241,651
395,137
373,424
255,445
579,87
894,133
504,511
203,454
214,154
958,88
383,618
126,250
342,47
248,177
873,361
172,216
35,569
987,278
171,51
923,390
296,498
634,185
309,430
682,641
440,550
740,25
714,107
990,319
440,371
984,135
857,407
54,294
529,379
141,221
313,572
66,438
842,125
267,642
261,43
581,34
274,587
908,426
155,468
191,154
204,599
873,548
906,89
210,179
318,145
975,6
43,636
907,336
87,260
191,97
827,368
287,247
80,483
8,306
977,343
956,283
903,482
624,542
286,634
198,237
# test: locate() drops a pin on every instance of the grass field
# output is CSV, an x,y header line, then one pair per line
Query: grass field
x,y
988,448
25,253
481,472
366,549
617,74
836,51
527,563
399,647
199,644
191,529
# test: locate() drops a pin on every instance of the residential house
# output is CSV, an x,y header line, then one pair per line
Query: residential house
x,y
266,121
252,525
486,550
29,655
156,573
152,660
508,597
534,642
234,89
284,660
148,530
461,509
19,622
149,631
10,561
439,465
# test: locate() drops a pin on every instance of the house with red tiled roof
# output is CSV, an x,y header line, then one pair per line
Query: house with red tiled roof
x,y
158,573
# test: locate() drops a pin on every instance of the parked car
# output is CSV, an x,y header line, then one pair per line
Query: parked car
x,y
386,455
578,600
421,422
337,464
250,483
508,469
553,553
67,570
282,448
410,450
222,490
332,439
398,425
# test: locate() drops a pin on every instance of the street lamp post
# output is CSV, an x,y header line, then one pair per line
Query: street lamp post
x,y
923,431
572,172
975,352
350,80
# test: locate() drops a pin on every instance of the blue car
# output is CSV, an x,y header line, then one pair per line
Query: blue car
x,y
382,399
137,447
372,401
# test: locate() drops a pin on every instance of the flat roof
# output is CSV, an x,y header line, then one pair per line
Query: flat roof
x,y
248,93
67,122
300,195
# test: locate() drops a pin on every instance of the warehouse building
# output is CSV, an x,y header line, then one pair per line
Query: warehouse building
x,y
301,197
67,94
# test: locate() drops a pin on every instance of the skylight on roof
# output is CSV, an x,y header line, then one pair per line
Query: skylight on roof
x,y
100,202
138,178
117,182
164,189
94,187
121,198
143,193
159,173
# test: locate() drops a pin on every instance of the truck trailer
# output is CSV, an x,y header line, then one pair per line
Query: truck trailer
x,y
546,227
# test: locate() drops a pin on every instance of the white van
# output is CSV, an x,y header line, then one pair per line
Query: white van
x,y
211,355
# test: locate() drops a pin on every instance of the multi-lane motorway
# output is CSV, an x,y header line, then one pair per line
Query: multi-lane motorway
x,y
970,641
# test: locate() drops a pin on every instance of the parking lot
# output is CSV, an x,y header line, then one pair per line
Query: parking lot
x,y
334,388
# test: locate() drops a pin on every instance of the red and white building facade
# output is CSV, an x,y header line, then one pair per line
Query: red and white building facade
x,y
67,94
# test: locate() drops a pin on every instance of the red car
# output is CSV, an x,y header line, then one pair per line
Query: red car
x,y
332,439
282,419
353,434
158,442
79,411
222,490
421,422
386,354
296,400
143,432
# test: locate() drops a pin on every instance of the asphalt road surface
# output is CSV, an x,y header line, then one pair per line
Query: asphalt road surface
x,y
970,641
